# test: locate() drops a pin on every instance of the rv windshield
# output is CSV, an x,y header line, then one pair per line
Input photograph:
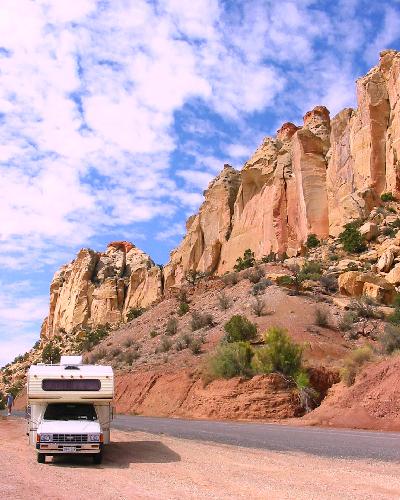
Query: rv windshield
x,y
70,411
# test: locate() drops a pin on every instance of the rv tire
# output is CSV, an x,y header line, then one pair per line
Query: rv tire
x,y
41,458
98,458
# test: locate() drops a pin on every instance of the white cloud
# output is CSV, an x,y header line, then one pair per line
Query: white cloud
x,y
171,232
196,178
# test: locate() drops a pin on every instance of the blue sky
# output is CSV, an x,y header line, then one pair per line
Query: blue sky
x,y
114,116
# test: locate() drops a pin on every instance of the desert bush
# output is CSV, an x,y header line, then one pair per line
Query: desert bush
x,y
365,307
351,238
280,354
134,312
329,282
99,354
230,278
182,295
259,288
387,197
321,317
195,346
390,339
258,306
311,270
16,388
333,257
246,261
116,351
184,342
394,318
353,362
164,345
312,241
308,396
347,321
230,360
51,353
154,333
36,345
128,342
200,320
183,308
89,338
130,356
171,327
284,280
193,277
254,275
224,301
239,328
268,258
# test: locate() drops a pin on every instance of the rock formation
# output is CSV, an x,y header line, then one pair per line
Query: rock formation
x,y
98,288
306,180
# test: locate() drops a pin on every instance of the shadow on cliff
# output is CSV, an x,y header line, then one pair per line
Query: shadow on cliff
x,y
121,455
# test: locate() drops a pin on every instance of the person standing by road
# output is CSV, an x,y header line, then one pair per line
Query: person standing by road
x,y
10,403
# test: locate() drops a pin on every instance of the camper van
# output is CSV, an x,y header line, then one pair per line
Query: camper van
x,y
69,408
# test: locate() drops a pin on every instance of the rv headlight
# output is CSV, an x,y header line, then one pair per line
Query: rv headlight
x,y
94,438
46,438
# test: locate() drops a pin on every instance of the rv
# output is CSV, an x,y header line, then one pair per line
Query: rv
x,y
69,408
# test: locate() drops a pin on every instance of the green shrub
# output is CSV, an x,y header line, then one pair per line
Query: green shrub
x,y
280,354
134,312
333,257
311,270
351,238
260,287
184,342
312,241
353,362
231,360
394,318
224,301
200,320
302,380
246,261
239,328
254,275
164,345
321,317
258,306
131,356
90,338
347,320
284,280
365,307
195,346
51,353
154,333
128,342
269,258
390,339
183,308
387,197
329,282
171,327
230,278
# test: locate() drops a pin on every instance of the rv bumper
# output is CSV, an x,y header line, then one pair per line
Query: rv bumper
x,y
68,449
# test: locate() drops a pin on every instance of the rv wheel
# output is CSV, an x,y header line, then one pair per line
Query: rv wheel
x,y
97,459
41,458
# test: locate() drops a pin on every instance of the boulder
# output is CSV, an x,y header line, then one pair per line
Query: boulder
x,y
386,260
394,275
369,230
356,284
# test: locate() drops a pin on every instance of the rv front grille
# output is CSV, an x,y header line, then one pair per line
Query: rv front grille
x,y
70,438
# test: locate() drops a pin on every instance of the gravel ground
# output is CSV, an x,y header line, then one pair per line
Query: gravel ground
x,y
139,465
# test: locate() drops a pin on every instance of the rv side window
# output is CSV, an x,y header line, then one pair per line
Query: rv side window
x,y
49,384
70,411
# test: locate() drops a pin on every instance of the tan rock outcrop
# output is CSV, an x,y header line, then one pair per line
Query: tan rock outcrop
x,y
98,288
356,284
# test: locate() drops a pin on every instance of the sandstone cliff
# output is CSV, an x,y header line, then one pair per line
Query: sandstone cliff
x,y
309,179
98,288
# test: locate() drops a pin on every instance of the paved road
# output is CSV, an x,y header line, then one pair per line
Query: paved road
x,y
335,443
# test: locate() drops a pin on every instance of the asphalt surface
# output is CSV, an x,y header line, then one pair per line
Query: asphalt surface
x,y
335,443
332,443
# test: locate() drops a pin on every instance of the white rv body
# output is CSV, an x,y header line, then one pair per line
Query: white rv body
x,y
72,385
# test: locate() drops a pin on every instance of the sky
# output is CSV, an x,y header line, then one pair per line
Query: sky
x,y
115,115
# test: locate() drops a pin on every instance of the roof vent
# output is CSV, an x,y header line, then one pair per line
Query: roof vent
x,y
71,360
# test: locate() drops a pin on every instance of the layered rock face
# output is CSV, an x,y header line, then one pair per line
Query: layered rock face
x,y
98,288
307,180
